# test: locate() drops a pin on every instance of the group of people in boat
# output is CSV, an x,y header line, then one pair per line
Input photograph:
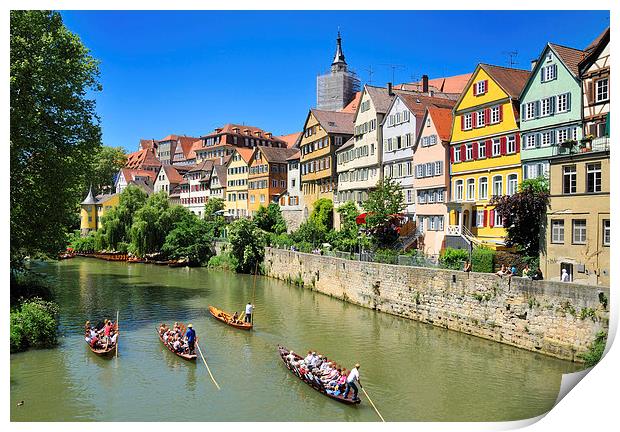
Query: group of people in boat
x,y
178,340
236,319
325,374
103,335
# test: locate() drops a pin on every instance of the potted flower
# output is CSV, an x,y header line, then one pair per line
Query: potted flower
x,y
568,143
585,144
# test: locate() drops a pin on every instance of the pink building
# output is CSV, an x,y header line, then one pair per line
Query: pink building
x,y
432,178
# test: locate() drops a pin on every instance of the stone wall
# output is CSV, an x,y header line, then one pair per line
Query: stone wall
x,y
293,218
557,319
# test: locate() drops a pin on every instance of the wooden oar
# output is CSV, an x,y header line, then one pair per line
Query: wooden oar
x,y
208,370
373,405
117,336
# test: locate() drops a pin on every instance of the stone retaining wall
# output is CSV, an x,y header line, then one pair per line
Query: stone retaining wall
x,y
554,318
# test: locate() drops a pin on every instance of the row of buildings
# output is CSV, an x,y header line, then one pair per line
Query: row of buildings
x,y
451,143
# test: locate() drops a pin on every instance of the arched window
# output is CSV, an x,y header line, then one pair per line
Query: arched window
x,y
458,190
483,188
497,185
471,189
512,184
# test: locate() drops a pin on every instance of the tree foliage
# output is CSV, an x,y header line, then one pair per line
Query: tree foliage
x,y
215,221
524,215
54,130
348,237
190,239
34,325
323,214
382,205
105,164
116,224
247,244
270,219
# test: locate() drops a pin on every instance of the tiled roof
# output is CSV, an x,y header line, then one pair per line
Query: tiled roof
x,y
417,103
246,153
442,119
380,98
290,139
352,106
220,171
131,174
274,154
205,165
451,84
142,158
511,80
569,56
192,151
596,41
147,143
335,121
173,174
144,185
347,144
244,131
294,156
102,198
593,47
170,138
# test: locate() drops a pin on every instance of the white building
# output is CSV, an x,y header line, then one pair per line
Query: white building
x,y
195,187
169,177
292,201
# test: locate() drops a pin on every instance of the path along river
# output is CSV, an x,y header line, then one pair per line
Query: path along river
x,y
412,371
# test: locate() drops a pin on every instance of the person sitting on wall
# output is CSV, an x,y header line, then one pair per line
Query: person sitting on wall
x,y
467,267
527,271
538,275
502,271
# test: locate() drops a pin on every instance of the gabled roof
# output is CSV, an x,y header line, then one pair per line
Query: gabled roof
x,y
335,121
171,137
205,165
131,174
173,173
510,79
593,50
417,103
294,156
146,186
243,131
141,158
596,41
245,153
380,97
352,106
186,144
347,144
569,56
290,139
451,84
102,198
147,143
275,154
220,171
442,119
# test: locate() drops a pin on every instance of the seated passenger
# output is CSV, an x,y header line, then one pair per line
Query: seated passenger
x,y
176,345
290,357
308,358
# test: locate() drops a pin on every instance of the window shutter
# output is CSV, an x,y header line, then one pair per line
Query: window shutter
x,y
474,218
502,145
474,120
542,74
473,88
523,111
451,154
474,150
518,141
486,86
501,113
462,152
590,92
462,122
487,116
552,103
491,218
485,218
538,140
489,148
568,101
537,108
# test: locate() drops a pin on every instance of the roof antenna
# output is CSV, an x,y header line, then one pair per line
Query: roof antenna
x,y
370,72
512,57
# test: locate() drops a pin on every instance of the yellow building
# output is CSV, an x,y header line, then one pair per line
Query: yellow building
x,y
237,171
324,132
94,208
484,153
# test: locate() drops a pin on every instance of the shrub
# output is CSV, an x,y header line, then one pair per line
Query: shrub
x,y
224,261
26,285
34,325
596,350
453,258
482,260
387,256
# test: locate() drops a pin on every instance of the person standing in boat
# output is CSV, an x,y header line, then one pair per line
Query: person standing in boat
x,y
249,308
191,338
354,376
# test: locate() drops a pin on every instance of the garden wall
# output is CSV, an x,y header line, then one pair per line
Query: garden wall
x,y
554,318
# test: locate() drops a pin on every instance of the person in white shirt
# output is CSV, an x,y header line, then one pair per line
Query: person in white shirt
x,y
354,376
565,276
249,308
308,358
290,357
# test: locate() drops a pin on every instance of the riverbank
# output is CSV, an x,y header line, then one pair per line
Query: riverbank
x,y
557,319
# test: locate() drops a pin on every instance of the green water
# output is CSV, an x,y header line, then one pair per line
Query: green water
x,y
412,371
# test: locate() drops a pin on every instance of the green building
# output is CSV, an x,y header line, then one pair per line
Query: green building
x,y
551,109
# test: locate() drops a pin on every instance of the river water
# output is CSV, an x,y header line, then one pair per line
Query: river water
x,y
412,371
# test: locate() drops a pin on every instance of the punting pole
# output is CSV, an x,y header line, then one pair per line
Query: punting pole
x,y
117,334
373,405
254,294
208,370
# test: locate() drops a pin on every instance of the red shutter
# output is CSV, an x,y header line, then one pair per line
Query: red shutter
x,y
486,216
474,119
475,150
502,145
462,123
462,153
486,86
491,218
451,154
518,142
473,89
487,116
501,113
489,148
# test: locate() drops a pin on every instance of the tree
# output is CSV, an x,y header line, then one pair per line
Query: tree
x,y
270,219
383,205
323,214
105,164
189,239
247,245
116,224
524,214
54,130
348,237
213,216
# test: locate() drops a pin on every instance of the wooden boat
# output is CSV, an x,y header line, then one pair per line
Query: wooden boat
x,y
184,356
110,351
226,318
349,400
178,263
136,260
66,256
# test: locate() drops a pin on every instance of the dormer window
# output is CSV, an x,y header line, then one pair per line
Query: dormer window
x,y
481,87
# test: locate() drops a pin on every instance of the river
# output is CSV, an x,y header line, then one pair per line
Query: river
x,y
412,371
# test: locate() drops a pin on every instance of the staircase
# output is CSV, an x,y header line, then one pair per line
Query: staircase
x,y
409,234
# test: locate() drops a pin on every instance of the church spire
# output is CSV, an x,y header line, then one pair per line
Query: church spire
x,y
339,61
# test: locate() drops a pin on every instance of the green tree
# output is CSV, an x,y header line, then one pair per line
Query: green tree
x,y
105,164
348,237
247,245
54,130
213,217
323,214
270,219
116,224
382,205
524,214
189,239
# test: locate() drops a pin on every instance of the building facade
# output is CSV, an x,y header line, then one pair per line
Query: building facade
x,y
168,178
93,208
217,183
595,71
485,153
237,172
291,201
267,178
195,187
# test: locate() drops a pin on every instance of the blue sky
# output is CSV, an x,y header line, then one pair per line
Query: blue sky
x,y
188,72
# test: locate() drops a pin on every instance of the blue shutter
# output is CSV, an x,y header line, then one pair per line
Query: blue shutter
x,y
568,101
538,137
523,111
537,109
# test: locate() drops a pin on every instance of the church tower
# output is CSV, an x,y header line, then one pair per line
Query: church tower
x,y
336,88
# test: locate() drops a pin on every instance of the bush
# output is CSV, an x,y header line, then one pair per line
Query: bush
x,y
596,350
225,261
453,258
26,285
34,325
482,260
387,256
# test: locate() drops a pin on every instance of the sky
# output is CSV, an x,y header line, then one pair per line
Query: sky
x,y
188,72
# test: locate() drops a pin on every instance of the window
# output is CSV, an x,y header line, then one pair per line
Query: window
x,y
557,231
512,184
546,138
579,231
606,233
511,146
479,219
496,147
467,121
438,167
458,190
530,141
497,185
469,151
498,222
483,188
495,114
481,87
602,90
457,153
562,102
546,107
432,224
562,135
471,188
482,150
480,119
549,73
530,110
593,177
570,179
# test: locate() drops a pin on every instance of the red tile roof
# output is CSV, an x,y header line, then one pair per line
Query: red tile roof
x,y
569,56
147,143
352,106
246,153
290,139
417,103
131,174
596,41
142,158
451,84
335,121
510,79
442,119
294,156
174,173
275,154
244,131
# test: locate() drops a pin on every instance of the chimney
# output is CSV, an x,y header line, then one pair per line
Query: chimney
x,y
533,64
424,83
389,89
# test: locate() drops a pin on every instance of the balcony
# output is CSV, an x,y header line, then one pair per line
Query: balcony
x,y
453,230
600,144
